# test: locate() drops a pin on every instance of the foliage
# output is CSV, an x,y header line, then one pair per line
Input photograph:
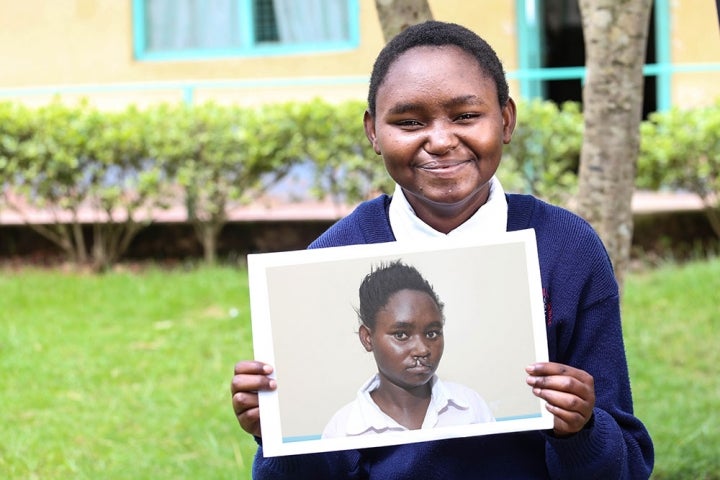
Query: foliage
x,y
127,186
82,167
680,149
542,158
221,156
14,130
46,172
101,175
346,168
123,166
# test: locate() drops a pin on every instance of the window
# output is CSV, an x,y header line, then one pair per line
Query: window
x,y
552,52
185,29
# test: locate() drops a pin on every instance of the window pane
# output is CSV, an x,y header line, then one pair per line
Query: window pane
x,y
205,28
265,24
312,21
176,25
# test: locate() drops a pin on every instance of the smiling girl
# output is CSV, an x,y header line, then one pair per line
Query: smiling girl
x,y
438,114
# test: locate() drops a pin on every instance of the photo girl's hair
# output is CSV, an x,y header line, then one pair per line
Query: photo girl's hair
x,y
384,281
434,33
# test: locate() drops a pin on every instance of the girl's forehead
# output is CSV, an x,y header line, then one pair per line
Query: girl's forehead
x,y
406,301
436,70
428,56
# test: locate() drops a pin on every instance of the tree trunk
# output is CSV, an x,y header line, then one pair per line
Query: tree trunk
x,y
396,15
615,34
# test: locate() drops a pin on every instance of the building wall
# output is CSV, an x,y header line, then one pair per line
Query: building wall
x,y
695,38
84,48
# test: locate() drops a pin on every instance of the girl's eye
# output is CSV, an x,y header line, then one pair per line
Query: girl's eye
x,y
408,123
400,335
467,116
434,333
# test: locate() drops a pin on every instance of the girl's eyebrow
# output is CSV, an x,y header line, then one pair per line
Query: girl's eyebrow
x,y
464,100
400,108
402,325
406,107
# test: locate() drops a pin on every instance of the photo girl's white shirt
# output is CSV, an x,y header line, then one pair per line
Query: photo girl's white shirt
x,y
450,404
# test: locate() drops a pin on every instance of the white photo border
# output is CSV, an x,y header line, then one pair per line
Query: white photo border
x,y
267,271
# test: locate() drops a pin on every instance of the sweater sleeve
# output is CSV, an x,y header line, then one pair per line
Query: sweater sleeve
x,y
318,466
615,444
585,332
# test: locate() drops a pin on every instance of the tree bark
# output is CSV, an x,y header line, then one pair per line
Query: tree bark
x,y
615,34
396,15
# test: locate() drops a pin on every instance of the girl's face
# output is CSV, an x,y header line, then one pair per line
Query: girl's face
x,y
440,130
407,340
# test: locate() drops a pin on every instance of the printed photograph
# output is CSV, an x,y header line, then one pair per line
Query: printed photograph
x,y
386,344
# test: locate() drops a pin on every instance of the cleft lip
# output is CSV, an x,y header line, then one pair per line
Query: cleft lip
x,y
420,365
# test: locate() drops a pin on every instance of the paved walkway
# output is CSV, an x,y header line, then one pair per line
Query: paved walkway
x,y
269,209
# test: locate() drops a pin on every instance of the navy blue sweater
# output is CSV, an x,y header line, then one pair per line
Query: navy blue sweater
x,y
583,327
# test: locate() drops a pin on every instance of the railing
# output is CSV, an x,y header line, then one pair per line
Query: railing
x,y
189,88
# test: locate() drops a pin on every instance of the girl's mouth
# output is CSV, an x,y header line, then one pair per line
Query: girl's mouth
x,y
420,367
442,166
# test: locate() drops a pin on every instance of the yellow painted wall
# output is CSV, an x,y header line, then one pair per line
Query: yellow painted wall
x,y
89,42
695,38
78,43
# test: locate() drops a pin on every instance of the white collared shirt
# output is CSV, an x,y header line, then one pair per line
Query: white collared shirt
x,y
490,218
450,404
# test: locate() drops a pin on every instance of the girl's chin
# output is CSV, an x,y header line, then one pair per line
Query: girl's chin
x,y
450,199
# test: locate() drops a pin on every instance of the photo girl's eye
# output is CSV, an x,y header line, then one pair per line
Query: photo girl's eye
x,y
400,335
434,334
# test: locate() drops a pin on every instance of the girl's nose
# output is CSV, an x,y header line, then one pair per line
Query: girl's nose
x,y
420,349
441,139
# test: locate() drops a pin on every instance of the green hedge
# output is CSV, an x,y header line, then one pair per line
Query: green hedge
x,y
680,150
211,157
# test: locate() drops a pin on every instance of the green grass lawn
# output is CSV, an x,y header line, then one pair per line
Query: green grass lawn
x,y
122,376
126,375
672,333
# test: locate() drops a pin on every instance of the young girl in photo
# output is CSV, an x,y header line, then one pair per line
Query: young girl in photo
x,y
401,323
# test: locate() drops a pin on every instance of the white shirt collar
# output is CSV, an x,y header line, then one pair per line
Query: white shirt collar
x,y
490,218
370,417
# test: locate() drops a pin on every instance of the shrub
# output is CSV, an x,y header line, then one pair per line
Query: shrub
x,y
80,166
346,168
222,156
680,150
542,158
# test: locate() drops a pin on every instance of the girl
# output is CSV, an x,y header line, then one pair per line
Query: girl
x,y
439,114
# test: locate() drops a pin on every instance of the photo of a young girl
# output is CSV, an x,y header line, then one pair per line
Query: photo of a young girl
x,y
401,323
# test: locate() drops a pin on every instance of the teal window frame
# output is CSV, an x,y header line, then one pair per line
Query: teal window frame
x,y
250,48
531,74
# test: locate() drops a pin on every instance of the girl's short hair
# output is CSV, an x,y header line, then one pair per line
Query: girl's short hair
x,y
384,281
434,33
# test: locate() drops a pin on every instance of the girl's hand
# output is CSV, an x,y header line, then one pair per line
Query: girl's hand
x,y
250,377
569,393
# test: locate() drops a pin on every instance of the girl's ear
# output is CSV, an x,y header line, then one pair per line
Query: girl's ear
x,y
365,338
509,114
369,122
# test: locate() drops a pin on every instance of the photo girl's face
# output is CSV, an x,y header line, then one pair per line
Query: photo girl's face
x,y
407,340
440,129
